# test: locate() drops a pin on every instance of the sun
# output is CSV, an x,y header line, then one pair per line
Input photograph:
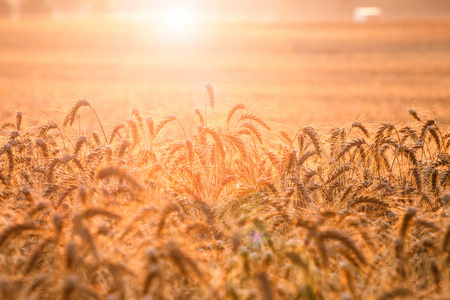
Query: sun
x,y
178,19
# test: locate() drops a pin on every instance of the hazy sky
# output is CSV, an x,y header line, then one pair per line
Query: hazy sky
x,y
292,8
250,9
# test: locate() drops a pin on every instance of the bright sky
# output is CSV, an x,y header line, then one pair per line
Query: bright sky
x,y
247,10
286,8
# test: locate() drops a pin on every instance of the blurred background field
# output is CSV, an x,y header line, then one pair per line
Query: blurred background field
x,y
326,73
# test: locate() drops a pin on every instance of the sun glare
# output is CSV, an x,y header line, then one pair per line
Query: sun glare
x,y
178,19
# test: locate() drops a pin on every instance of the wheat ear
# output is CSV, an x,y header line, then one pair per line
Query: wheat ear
x,y
257,119
70,118
406,222
18,119
235,108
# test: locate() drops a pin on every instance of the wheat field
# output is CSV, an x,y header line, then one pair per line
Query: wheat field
x,y
218,199
238,210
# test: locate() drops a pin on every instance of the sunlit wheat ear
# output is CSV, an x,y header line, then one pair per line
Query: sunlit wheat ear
x,y
108,153
434,184
114,171
70,118
150,126
398,247
427,126
233,110
435,135
428,243
45,128
51,168
93,212
123,147
301,142
253,129
338,172
9,154
289,161
190,149
406,222
40,143
136,113
168,209
302,192
13,229
342,137
96,138
200,116
239,143
408,153
436,274
273,157
333,141
425,198
163,124
18,119
380,133
35,254
13,135
210,93
446,241
288,193
81,140
367,200
134,131
58,225
243,131
348,274
38,282
115,269
257,119
409,132
303,158
361,127
344,239
414,114
70,285
424,223
265,285
83,194
446,141
39,207
152,274
285,135
358,143
77,163
314,136
181,260
115,131
217,139
27,193
197,228
417,178
172,149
